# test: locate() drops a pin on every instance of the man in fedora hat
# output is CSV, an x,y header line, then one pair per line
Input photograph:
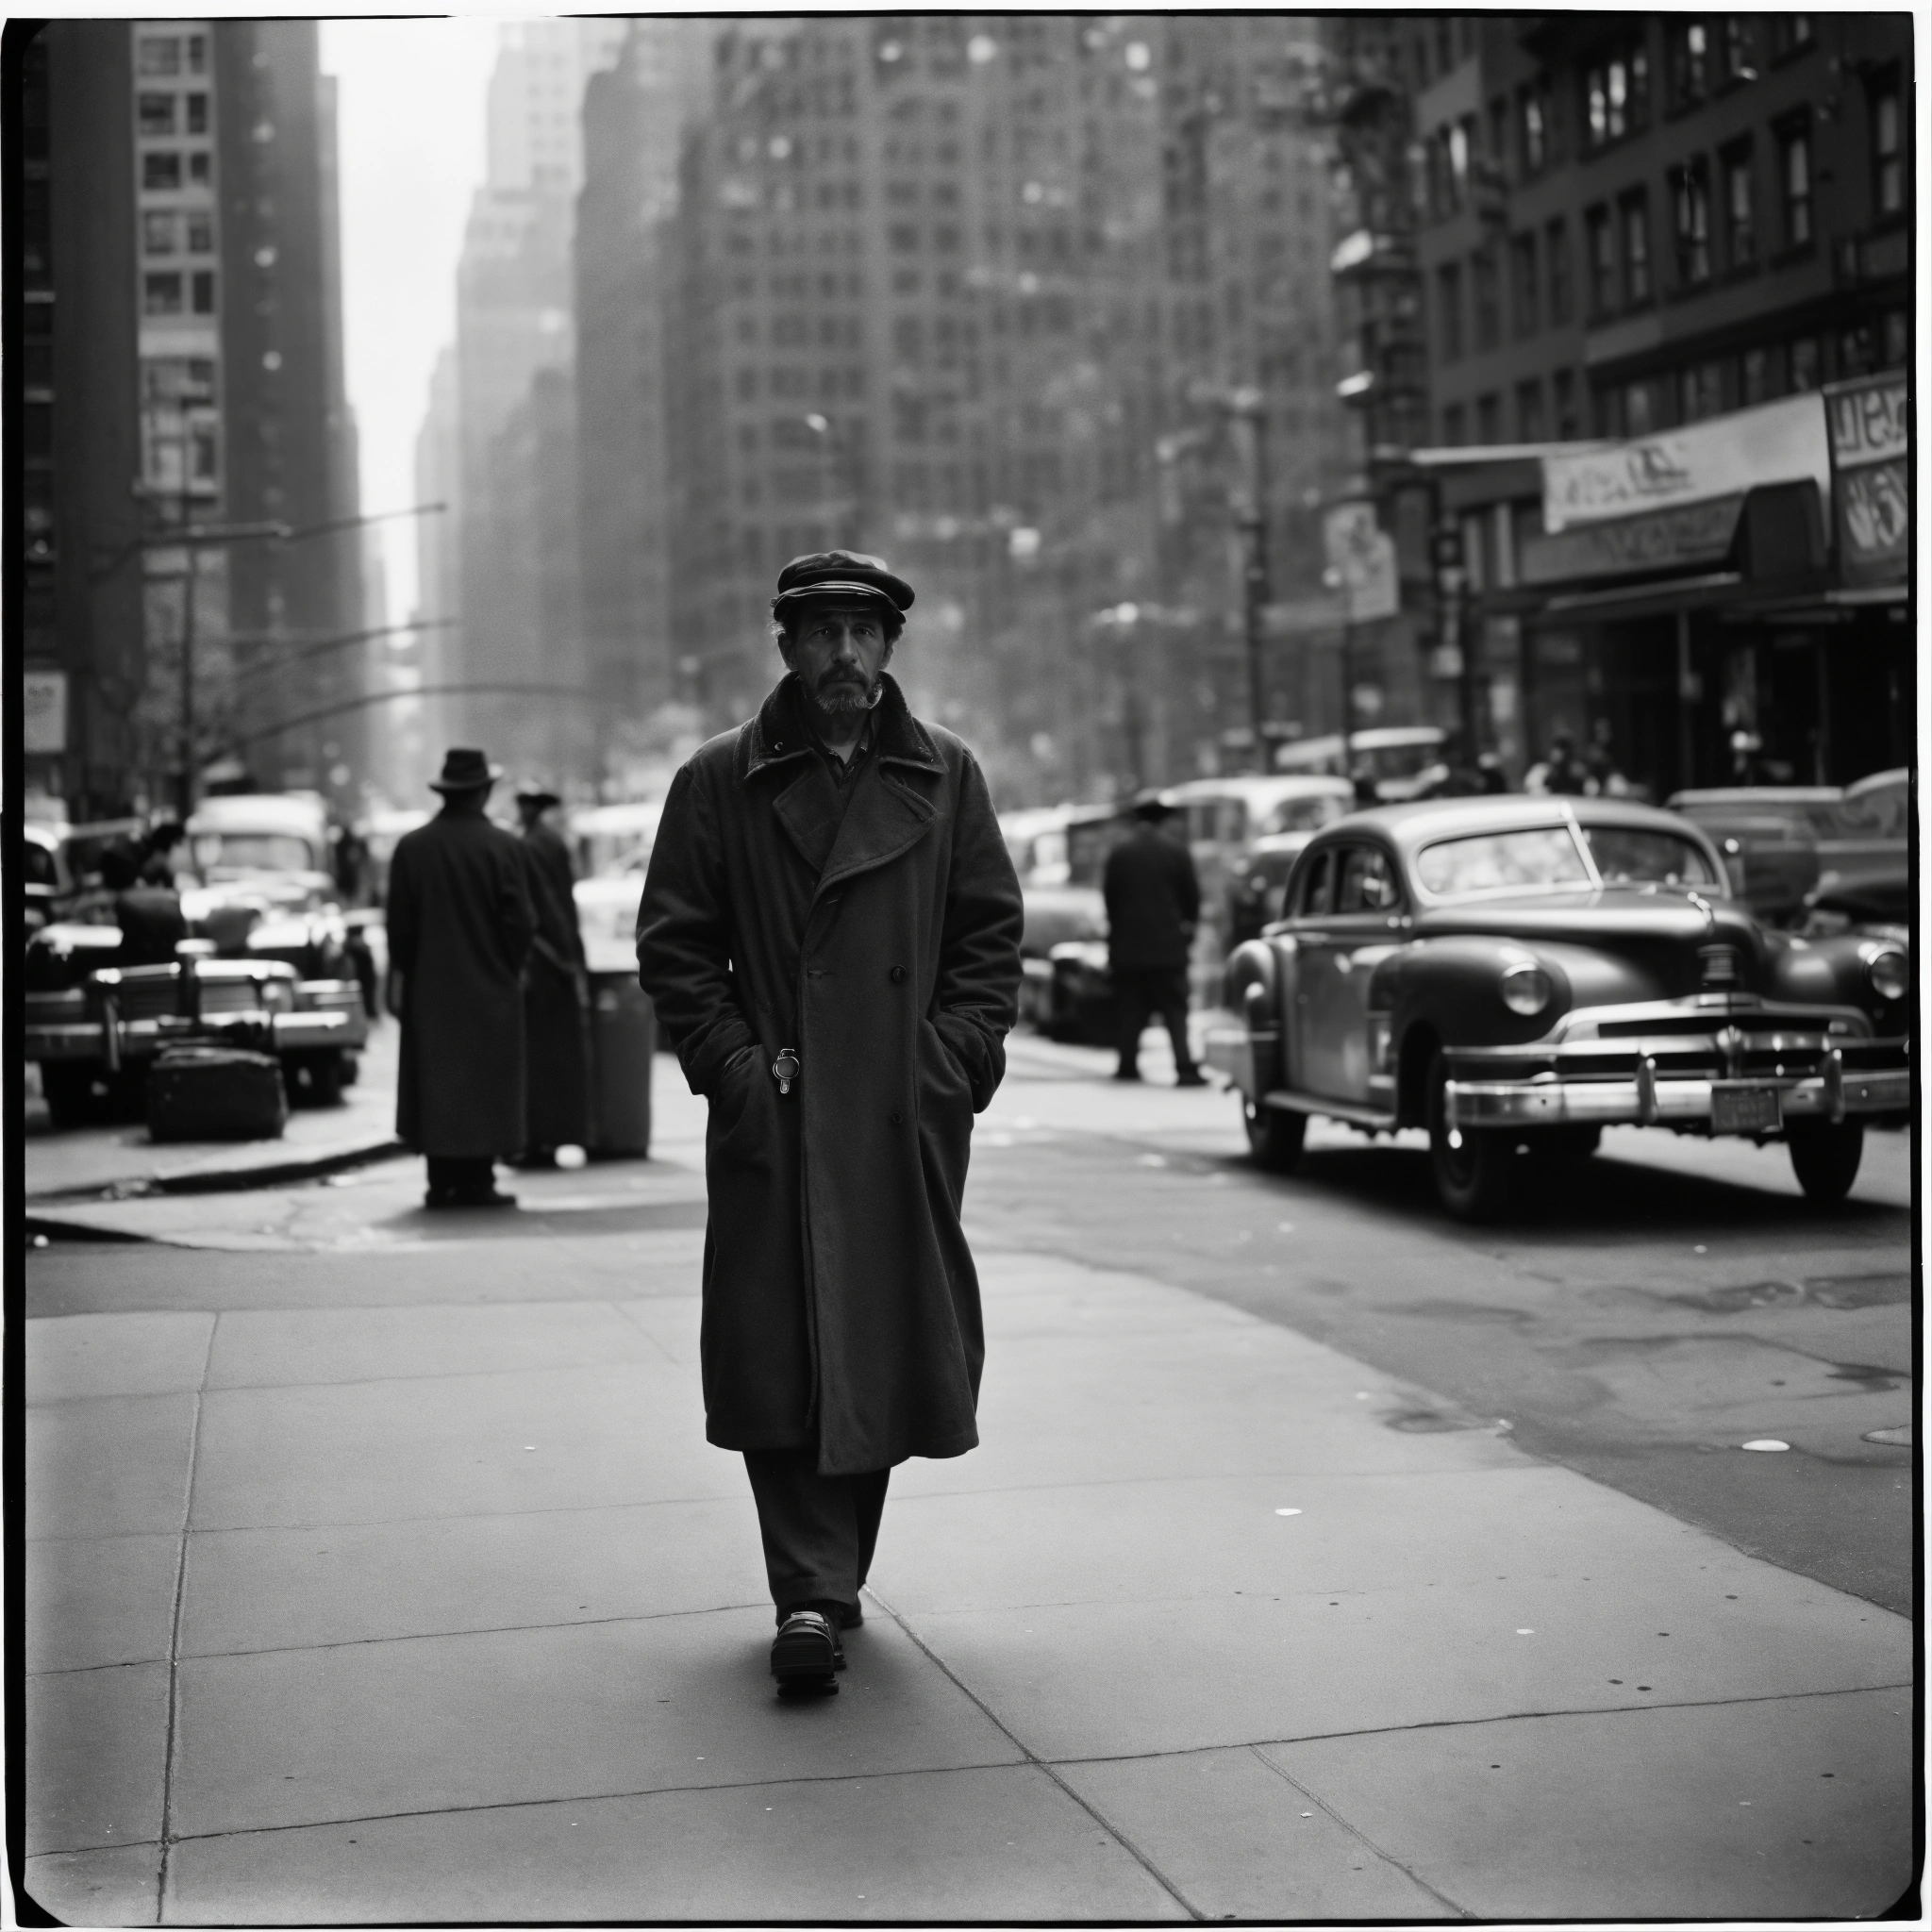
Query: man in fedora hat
x,y
830,931
459,929
1153,904
556,1108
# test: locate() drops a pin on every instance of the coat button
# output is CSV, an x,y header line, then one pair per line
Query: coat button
x,y
898,973
897,1118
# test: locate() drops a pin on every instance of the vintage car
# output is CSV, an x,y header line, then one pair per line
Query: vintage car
x,y
1257,882
1066,991
1515,974
94,1028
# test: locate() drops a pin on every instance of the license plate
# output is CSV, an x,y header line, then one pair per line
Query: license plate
x,y
1743,1109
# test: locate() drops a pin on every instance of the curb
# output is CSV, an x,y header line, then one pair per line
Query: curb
x,y
229,1179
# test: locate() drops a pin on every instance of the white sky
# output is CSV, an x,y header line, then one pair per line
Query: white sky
x,y
410,130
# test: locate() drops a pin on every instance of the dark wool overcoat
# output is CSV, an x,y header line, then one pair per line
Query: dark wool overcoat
x,y
841,1305
1153,897
460,928
555,1045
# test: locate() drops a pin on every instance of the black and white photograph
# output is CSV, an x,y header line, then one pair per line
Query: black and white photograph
x,y
966,968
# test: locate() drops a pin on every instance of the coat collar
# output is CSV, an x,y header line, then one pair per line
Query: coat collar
x,y
778,732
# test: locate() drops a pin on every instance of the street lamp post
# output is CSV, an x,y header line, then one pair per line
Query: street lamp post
x,y
1248,406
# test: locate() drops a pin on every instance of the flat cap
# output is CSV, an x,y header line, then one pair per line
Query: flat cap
x,y
841,574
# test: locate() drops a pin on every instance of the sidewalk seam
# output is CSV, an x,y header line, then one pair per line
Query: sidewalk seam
x,y
1033,1757
171,1740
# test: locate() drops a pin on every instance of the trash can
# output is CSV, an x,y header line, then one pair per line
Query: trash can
x,y
623,1042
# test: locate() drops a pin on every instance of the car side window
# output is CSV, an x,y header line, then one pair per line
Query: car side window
x,y
1311,900
1368,884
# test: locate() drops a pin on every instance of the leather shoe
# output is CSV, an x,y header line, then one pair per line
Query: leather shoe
x,y
807,1649
1190,1077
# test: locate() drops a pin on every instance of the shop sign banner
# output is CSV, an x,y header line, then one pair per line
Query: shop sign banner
x,y
1870,438
1698,533
43,712
1780,442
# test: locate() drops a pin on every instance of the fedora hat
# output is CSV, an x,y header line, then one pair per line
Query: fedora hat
x,y
465,770
841,574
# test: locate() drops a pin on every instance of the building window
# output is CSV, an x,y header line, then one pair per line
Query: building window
x,y
1533,126
160,173
1740,223
1603,262
198,54
204,456
1556,245
1898,338
1489,304
201,234
1529,411
1857,350
1489,419
1454,434
1640,408
157,116
157,234
1740,47
1523,284
1804,362
1755,377
1616,95
1563,387
197,114
1449,311
1794,177
1689,62
158,57
198,167
1700,392
1888,150
1633,217
161,295
1790,33
1691,219
204,292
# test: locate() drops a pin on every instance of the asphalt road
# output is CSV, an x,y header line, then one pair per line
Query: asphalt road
x,y
1638,1323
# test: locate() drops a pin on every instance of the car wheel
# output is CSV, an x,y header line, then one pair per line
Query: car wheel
x,y
1274,1135
1474,1166
315,1079
1825,1159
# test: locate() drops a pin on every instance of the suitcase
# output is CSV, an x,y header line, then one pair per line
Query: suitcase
x,y
215,1094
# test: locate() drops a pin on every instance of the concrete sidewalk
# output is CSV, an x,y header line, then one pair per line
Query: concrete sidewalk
x,y
1218,1623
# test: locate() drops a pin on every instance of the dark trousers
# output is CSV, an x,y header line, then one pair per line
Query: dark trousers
x,y
819,1530
462,1175
1141,991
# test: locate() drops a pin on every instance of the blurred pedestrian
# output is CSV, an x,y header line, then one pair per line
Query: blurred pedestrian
x,y
1561,772
157,851
1153,905
1488,769
350,860
460,929
1600,765
830,931
148,914
1367,792
1453,775
557,991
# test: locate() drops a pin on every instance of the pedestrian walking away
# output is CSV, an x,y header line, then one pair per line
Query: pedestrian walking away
x,y
557,992
1153,904
459,929
148,911
830,932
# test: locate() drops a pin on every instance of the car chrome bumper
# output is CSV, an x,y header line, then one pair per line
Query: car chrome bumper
x,y
297,1032
1652,1099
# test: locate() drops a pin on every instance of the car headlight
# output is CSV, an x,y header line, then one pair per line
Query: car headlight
x,y
1526,987
1889,972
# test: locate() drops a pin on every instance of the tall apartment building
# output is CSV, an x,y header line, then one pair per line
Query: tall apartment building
x,y
950,285
1685,232
192,297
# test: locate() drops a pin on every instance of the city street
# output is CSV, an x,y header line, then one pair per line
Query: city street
x,y
1322,1560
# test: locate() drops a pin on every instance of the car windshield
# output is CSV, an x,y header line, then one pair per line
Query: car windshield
x,y
232,852
1305,814
1630,856
1502,861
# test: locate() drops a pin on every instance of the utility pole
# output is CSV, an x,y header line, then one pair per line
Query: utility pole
x,y
1248,406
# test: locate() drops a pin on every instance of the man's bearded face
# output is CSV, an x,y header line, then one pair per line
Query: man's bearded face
x,y
837,651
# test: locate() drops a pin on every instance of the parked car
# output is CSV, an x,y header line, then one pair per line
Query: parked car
x,y
1259,881
1066,990
1395,757
1874,906
1519,971
48,885
1225,816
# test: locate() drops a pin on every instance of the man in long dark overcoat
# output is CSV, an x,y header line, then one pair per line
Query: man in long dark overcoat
x,y
1153,904
557,1085
830,932
459,929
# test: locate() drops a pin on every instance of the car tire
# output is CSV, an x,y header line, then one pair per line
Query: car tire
x,y
1274,1135
1474,1168
315,1079
1825,1159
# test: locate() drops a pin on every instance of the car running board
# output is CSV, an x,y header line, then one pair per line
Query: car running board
x,y
1334,1109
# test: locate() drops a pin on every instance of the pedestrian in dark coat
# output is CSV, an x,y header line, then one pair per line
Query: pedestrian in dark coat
x,y
556,1108
148,911
1153,904
459,929
830,932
